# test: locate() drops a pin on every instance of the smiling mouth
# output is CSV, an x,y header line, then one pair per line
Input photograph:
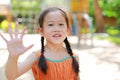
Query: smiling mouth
x,y
57,35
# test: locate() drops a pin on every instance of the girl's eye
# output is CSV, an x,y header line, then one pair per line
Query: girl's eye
x,y
61,24
50,24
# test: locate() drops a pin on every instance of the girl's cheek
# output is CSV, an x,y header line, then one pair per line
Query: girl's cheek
x,y
48,31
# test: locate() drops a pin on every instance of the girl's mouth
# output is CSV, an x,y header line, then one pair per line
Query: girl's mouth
x,y
56,35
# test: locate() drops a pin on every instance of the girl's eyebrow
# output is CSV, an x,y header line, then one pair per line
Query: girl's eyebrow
x,y
62,20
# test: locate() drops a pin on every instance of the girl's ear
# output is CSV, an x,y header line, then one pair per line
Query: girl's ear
x,y
40,30
69,30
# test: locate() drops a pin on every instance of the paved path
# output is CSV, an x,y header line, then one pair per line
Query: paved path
x,y
101,62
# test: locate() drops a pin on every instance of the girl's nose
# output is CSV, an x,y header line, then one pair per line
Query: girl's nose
x,y
56,28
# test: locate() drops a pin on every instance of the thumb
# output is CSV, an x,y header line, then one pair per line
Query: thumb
x,y
27,48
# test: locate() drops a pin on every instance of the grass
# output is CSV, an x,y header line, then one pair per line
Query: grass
x,y
116,40
113,39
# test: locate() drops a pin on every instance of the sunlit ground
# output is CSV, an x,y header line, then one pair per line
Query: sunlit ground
x,y
100,62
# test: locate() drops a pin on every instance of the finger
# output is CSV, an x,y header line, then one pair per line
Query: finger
x,y
16,29
10,30
23,32
3,37
29,47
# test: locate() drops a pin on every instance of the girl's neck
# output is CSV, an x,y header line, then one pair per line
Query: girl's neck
x,y
54,48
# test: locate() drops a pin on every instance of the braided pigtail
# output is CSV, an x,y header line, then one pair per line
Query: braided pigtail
x,y
42,63
74,61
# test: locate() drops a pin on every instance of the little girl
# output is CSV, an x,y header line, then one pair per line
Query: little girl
x,y
53,61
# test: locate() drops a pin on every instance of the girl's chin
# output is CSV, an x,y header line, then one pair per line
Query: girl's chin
x,y
57,42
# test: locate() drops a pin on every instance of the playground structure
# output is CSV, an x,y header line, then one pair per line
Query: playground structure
x,y
5,11
81,21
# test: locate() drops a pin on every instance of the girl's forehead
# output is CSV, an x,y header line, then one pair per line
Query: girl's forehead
x,y
54,15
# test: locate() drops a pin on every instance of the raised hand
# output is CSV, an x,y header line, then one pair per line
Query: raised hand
x,y
15,44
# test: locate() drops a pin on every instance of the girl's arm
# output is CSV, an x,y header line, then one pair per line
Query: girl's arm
x,y
11,70
27,64
14,70
16,48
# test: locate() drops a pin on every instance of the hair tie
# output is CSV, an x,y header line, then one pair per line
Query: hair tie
x,y
42,54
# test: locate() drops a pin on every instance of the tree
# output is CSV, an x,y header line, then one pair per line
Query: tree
x,y
26,6
111,8
98,17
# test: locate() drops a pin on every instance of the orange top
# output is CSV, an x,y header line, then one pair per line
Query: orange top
x,y
57,69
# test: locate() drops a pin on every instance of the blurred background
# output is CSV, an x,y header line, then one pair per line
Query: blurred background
x,y
95,34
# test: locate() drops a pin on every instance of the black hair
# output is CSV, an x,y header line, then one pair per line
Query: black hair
x,y
42,62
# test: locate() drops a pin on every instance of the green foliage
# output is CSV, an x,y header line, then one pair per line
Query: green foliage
x,y
2,17
110,7
82,30
113,34
110,13
116,40
4,25
25,5
91,8
113,31
113,39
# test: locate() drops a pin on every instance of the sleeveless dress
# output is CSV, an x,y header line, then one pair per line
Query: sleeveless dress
x,y
57,69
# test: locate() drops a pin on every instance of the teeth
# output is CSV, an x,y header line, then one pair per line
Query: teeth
x,y
56,35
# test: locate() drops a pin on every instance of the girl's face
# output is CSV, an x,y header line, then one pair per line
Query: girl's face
x,y
55,28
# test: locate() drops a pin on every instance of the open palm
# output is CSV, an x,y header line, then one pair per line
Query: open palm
x,y
15,44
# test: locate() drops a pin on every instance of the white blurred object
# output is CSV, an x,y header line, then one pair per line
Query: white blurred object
x,y
5,2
